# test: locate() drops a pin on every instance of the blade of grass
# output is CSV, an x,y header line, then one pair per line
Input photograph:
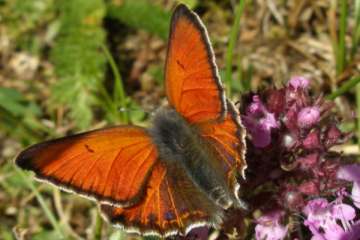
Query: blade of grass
x,y
358,111
344,87
240,75
98,226
234,33
63,218
108,102
47,211
119,95
341,48
244,76
356,32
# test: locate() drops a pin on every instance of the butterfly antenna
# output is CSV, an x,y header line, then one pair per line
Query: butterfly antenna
x,y
148,111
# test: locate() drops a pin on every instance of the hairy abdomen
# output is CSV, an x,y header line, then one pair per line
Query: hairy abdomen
x,y
180,144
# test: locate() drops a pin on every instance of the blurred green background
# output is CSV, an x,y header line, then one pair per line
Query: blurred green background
x,y
70,66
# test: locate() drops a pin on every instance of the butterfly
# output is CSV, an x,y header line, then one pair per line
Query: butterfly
x,y
180,173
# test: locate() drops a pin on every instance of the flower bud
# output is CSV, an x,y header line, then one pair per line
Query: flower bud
x,y
308,116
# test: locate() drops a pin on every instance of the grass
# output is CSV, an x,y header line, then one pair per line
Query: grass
x,y
356,32
354,49
344,88
341,52
118,100
234,34
358,111
49,214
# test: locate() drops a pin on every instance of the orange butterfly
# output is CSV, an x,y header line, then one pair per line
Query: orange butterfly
x,y
180,173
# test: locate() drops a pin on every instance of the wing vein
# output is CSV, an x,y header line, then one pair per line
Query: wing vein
x,y
173,204
141,165
110,169
63,164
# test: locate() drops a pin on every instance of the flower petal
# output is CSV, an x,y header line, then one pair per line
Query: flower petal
x,y
315,205
259,122
350,172
271,232
297,82
355,194
269,228
308,116
353,233
343,212
333,231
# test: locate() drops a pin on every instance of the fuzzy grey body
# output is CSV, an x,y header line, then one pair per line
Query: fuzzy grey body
x,y
180,144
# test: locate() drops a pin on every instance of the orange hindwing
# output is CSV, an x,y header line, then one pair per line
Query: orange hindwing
x,y
173,205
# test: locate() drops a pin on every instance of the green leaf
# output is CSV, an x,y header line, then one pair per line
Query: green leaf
x,y
140,14
12,101
19,117
77,57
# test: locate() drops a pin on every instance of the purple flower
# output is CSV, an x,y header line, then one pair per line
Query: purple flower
x,y
309,188
269,228
290,160
308,117
259,122
298,82
333,135
330,221
312,140
316,212
351,173
309,161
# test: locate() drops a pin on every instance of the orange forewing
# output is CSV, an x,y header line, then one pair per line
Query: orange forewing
x,y
111,165
227,138
192,83
173,204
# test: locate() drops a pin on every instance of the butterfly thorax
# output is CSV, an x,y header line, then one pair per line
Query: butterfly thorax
x,y
181,146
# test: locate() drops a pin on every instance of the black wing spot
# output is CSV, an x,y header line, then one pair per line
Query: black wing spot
x,y
89,149
180,64
152,218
